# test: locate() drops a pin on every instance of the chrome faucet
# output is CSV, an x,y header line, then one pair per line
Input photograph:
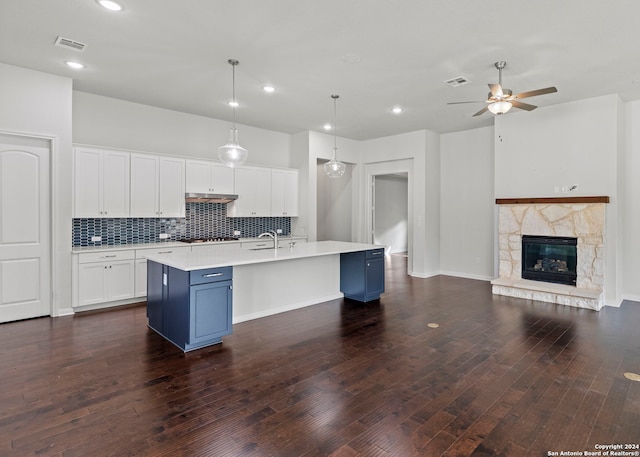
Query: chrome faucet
x,y
273,234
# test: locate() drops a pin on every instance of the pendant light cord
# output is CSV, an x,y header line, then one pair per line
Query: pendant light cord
x,y
335,126
233,63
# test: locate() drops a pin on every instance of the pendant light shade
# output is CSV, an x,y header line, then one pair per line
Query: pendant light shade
x,y
334,168
232,154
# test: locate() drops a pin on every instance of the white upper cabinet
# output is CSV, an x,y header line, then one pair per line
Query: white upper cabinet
x,y
253,186
284,193
101,183
157,186
205,177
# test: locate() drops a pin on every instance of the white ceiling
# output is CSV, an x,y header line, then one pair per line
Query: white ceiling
x,y
173,54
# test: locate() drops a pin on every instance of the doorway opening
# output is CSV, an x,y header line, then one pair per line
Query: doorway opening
x,y
390,212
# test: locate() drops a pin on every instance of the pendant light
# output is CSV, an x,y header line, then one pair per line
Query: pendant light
x,y
333,168
232,154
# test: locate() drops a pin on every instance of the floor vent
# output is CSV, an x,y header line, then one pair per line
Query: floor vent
x,y
457,82
67,43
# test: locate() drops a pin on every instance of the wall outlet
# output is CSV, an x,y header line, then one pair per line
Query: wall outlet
x,y
556,189
96,238
565,189
237,233
279,231
163,236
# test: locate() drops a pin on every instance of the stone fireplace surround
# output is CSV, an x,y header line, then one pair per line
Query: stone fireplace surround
x,y
579,217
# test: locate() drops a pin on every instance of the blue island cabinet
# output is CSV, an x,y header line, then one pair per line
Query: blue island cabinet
x,y
192,309
362,274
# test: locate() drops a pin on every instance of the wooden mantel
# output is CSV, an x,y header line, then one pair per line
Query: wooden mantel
x,y
550,200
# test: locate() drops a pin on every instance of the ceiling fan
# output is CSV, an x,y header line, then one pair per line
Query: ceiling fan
x,y
501,100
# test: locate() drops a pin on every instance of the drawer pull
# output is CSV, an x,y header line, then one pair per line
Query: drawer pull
x,y
212,275
376,253
109,256
165,252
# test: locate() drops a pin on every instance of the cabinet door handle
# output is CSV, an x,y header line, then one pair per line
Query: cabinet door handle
x,y
165,252
108,256
212,275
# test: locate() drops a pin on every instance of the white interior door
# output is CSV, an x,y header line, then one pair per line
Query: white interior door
x,y
24,228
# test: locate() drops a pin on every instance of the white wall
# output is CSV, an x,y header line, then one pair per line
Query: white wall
x,y
320,148
108,122
467,204
39,104
577,143
391,212
567,144
418,154
334,199
630,205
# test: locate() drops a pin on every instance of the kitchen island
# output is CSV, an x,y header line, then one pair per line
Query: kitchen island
x,y
194,298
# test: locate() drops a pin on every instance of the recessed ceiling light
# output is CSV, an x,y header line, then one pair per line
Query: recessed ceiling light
x,y
108,4
268,88
234,103
74,65
327,126
396,110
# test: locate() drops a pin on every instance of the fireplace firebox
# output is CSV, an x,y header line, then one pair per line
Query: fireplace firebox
x,y
549,259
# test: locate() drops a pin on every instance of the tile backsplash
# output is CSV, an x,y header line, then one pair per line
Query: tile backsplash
x,y
202,220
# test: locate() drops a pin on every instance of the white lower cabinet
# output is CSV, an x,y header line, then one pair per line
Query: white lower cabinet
x,y
141,265
104,277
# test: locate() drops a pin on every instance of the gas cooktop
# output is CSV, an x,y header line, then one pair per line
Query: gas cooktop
x,y
209,239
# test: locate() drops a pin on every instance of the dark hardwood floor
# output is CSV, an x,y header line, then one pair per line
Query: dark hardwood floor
x,y
499,376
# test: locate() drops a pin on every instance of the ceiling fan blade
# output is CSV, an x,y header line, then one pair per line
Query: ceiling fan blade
x,y
496,90
524,106
458,103
481,111
533,93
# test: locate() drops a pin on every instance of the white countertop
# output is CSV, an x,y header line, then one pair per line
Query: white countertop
x,y
230,257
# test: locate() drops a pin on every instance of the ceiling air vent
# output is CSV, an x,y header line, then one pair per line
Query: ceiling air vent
x,y
67,43
457,82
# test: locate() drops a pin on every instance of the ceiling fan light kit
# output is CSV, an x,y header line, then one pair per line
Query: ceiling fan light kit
x,y
500,100
500,107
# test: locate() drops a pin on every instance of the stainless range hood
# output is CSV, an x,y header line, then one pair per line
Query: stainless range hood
x,y
209,198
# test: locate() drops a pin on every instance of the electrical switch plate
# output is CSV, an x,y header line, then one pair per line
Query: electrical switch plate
x,y
96,238
279,231
236,233
163,236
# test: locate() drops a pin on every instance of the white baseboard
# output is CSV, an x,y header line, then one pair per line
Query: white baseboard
x,y
467,275
64,312
634,298
423,275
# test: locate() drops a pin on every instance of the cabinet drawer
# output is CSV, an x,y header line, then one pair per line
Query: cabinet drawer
x,y
373,253
210,275
267,243
106,256
144,253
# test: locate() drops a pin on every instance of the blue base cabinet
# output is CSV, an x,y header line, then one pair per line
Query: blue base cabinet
x,y
192,309
362,274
